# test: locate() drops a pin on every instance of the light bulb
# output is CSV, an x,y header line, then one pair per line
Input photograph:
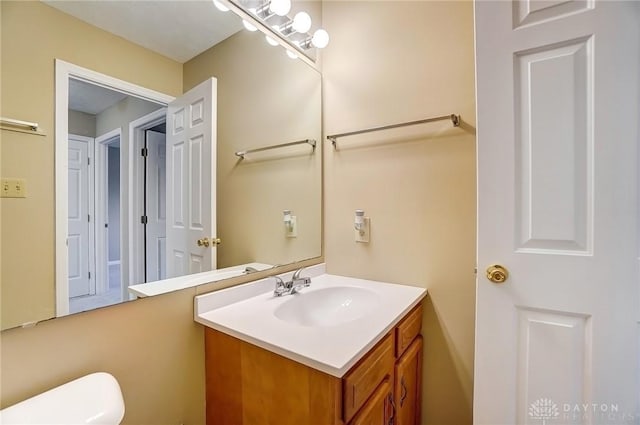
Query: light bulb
x,y
220,6
302,22
291,54
320,39
270,40
249,26
280,7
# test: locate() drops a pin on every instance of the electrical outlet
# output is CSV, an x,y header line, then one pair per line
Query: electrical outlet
x,y
362,235
13,188
291,231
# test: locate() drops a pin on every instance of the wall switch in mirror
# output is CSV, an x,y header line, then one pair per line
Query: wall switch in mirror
x,y
291,230
13,188
362,234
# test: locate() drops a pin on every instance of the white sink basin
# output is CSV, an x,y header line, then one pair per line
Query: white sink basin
x,y
328,306
328,326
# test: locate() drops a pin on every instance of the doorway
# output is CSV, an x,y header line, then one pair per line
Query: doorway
x,y
100,115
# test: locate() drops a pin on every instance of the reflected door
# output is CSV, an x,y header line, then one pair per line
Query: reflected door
x,y
78,239
156,209
557,100
191,186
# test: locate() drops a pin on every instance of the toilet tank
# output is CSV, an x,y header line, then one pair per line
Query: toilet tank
x,y
92,399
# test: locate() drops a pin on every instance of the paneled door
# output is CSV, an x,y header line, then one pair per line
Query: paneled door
x,y
557,110
191,181
79,240
156,206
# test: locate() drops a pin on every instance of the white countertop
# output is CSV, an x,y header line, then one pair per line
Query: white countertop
x,y
247,313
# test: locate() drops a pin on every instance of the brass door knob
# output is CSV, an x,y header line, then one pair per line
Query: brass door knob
x,y
203,242
216,241
497,273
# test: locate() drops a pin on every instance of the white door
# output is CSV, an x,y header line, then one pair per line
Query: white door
x,y
156,206
78,238
191,187
557,109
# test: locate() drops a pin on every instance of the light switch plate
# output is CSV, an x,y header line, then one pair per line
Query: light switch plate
x,y
13,188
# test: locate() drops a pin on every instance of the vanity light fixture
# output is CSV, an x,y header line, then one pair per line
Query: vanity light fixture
x,y
273,14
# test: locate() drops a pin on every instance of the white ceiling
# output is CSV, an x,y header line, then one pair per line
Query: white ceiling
x,y
178,29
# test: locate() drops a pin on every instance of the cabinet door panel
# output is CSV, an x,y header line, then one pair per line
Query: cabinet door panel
x,y
407,389
408,329
364,378
378,409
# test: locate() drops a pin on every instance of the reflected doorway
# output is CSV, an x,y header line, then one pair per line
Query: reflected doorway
x,y
99,191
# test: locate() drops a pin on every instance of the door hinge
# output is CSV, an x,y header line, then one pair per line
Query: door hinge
x,y
106,225
88,161
143,219
88,218
144,152
89,275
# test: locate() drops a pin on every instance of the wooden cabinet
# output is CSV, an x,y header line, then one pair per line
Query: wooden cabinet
x,y
379,408
361,381
407,389
247,385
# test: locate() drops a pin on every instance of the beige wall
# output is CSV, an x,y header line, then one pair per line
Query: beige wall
x,y
33,35
264,98
82,124
391,62
151,346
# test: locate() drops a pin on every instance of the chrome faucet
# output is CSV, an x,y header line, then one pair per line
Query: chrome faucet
x,y
298,282
291,287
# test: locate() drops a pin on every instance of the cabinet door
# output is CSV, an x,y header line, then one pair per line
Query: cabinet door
x,y
378,410
408,385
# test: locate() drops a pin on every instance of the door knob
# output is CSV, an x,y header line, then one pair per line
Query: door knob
x,y
203,242
216,241
497,273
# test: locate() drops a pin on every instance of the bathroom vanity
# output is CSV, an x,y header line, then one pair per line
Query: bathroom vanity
x,y
343,351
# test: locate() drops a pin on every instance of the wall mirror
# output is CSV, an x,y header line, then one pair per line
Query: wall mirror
x,y
119,177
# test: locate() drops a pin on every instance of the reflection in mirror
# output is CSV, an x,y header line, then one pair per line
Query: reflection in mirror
x,y
118,152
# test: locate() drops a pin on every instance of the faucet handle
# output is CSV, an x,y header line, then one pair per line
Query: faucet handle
x,y
296,274
280,288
